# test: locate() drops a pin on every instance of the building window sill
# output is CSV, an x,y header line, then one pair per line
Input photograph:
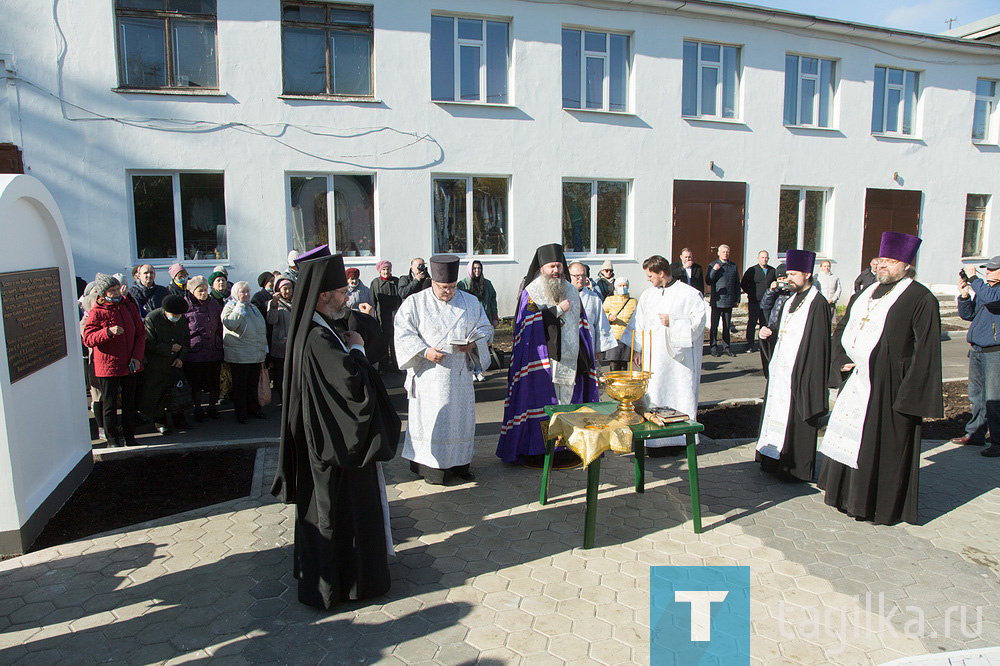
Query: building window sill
x,y
731,122
492,105
906,138
332,98
186,92
600,111
812,128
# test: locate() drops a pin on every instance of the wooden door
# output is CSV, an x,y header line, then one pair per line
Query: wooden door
x,y
888,210
10,159
708,214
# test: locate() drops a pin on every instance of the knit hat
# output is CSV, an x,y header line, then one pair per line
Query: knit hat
x,y
120,277
353,273
385,263
264,278
221,269
607,266
195,282
103,282
281,281
175,269
175,304
216,274
292,256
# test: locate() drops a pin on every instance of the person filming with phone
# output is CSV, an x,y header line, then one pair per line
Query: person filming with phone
x,y
979,303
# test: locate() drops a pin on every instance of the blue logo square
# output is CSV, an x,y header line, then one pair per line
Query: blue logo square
x,y
699,615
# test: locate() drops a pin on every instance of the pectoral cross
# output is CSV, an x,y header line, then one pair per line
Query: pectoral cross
x,y
864,320
781,332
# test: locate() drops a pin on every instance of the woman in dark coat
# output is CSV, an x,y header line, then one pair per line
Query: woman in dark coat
x,y
168,342
204,361
114,331
385,291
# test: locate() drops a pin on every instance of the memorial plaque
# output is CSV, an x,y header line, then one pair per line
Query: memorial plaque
x,y
32,320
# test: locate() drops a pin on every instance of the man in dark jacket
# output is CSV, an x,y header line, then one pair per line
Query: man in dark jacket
x,y
417,280
168,342
867,277
724,276
983,310
755,283
688,272
145,292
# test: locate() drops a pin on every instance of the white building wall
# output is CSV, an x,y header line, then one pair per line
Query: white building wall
x,y
84,159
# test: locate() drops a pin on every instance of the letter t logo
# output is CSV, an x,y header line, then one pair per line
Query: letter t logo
x,y
701,610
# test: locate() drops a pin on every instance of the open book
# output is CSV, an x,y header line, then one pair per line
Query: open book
x,y
466,341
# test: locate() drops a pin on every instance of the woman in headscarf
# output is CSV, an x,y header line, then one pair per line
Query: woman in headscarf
x,y
481,288
279,316
204,361
385,291
619,307
244,340
219,282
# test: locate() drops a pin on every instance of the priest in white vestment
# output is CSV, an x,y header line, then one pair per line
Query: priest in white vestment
x,y
671,319
593,307
441,333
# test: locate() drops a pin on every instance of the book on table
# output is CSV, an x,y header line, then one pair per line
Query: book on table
x,y
665,415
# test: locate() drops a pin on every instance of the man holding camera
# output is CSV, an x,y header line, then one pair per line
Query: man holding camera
x,y
417,280
983,310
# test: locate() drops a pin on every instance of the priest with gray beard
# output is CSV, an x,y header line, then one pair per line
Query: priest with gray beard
x,y
553,357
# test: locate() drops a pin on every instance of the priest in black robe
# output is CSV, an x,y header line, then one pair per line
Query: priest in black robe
x,y
797,396
336,426
877,479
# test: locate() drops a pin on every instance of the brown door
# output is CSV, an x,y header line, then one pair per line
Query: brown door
x,y
708,214
10,159
888,210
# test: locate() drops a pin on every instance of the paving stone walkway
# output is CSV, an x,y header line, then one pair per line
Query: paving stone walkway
x,y
486,575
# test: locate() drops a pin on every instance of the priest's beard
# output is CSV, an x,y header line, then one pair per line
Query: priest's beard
x,y
340,313
555,288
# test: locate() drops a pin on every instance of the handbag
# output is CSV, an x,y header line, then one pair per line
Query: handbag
x,y
180,395
264,387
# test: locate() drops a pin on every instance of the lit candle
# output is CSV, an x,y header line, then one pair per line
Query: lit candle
x,y
631,354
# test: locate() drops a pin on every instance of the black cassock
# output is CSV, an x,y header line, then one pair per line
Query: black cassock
x,y
338,425
810,395
906,388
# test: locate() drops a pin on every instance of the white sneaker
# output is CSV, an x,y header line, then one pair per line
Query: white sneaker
x,y
480,377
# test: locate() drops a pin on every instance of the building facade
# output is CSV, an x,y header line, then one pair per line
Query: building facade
x,y
231,131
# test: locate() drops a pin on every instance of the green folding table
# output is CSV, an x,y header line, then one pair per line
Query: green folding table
x,y
640,433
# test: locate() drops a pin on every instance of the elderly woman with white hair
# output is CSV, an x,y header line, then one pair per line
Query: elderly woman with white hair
x,y
244,339
619,307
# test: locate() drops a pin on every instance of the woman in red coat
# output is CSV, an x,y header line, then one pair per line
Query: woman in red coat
x,y
115,332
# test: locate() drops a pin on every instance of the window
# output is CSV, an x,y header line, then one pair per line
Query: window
x,y
809,86
711,80
595,70
166,44
801,213
180,215
595,215
479,72
344,202
326,49
470,207
895,106
975,216
984,118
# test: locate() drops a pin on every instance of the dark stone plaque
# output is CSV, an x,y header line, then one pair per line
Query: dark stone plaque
x,y
32,320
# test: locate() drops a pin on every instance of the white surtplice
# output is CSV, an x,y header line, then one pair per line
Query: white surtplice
x,y
673,352
441,423
600,327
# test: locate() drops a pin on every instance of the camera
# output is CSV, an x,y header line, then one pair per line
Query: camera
x,y
422,268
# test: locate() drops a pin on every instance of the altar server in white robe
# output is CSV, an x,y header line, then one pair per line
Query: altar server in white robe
x,y
593,306
442,413
797,396
671,319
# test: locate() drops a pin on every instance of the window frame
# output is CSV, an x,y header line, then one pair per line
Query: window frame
x,y
817,95
331,208
456,45
720,82
470,212
992,136
594,192
175,179
800,227
901,88
982,225
327,26
607,69
167,16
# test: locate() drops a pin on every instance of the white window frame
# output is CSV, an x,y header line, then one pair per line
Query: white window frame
x,y
992,103
721,83
606,79
469,212
901,87
175,179
983,226
818,79
593,182
800,226
331,223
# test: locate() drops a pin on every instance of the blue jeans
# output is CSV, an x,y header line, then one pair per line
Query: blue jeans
x,y
984,394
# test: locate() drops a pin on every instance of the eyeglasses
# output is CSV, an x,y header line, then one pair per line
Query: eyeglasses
x,y
577,275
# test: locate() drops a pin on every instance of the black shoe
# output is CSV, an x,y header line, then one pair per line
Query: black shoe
x,y
164,430
213,413
991,451
716,352
242,419
730,352
130,441
199,416
116,443
259,415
